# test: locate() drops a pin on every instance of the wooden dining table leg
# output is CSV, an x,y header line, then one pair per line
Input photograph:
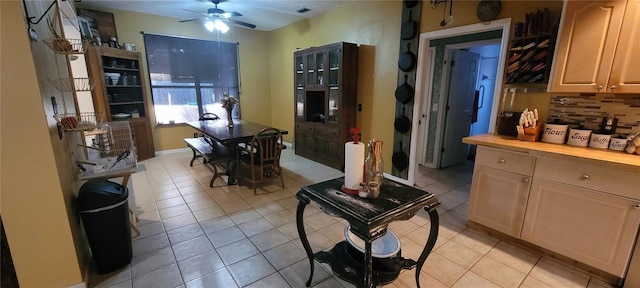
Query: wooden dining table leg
x,y
233,168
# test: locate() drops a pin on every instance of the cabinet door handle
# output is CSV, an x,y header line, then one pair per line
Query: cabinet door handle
x,y
525,180
636,206
501,161
585,177
612,88
599,88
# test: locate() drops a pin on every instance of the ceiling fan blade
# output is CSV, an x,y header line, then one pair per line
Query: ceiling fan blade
x,y
198,12
230,14
241,23
215,11
190,20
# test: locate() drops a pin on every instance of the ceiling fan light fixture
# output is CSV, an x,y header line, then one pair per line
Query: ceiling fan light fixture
x,y
209,25
220,26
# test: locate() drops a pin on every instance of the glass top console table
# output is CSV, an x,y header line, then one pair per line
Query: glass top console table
x,y
368,219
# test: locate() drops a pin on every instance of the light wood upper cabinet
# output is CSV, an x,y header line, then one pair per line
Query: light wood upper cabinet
x,y
594,48
624,72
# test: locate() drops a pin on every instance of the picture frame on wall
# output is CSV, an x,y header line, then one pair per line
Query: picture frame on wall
x,y
101,23
85,28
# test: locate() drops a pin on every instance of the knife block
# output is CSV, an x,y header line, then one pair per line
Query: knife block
x,y
531,134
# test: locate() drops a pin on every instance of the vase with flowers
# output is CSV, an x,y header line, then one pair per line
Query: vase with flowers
x,y
228,102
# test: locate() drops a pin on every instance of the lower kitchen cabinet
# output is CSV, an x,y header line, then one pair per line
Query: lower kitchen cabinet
x,y
499,199
581,205
499,189
317,145
305,143
595,228
143,138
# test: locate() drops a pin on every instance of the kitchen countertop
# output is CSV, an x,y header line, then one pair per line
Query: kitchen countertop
x,y
617,159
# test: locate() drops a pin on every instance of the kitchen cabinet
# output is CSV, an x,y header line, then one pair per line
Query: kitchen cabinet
x,y
595,46
325,101
601,225
120,93
582,205
595,228
499,189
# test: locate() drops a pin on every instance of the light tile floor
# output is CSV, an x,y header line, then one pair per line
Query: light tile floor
x,y
197,236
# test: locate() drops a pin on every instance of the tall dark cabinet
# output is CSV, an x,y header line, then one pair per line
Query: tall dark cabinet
x,y
325,92
120,93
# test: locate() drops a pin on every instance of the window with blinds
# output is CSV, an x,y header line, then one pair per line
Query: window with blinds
x,y
188,77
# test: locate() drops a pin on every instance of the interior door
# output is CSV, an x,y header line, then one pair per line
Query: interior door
x,y
462,83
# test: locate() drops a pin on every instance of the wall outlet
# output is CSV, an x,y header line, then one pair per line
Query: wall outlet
x,y
434,107
359,107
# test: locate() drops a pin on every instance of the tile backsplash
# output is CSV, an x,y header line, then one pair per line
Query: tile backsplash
x,y
589,109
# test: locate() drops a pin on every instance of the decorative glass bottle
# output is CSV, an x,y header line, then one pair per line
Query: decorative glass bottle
x,y
230,117
374,167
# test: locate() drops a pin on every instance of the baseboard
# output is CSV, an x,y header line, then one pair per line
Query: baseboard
x,y
83,284
172,151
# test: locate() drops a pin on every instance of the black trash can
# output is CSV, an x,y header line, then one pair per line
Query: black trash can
x,y
104,209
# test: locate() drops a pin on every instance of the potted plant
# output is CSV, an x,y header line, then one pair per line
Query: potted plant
x,y
58,42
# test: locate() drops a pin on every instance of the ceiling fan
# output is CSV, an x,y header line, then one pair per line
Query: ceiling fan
x,y
216,13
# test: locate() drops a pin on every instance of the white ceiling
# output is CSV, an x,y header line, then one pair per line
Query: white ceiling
x,y
267,15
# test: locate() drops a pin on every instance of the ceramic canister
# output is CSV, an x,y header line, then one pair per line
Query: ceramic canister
x,y
554,133
618,144
599,141
578,137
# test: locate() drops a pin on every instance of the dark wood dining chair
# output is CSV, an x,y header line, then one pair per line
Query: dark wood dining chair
x,y
208,116
262,155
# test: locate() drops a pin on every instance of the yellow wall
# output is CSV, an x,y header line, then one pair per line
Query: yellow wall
x,y
465,14
254,65
375,26
267,59
37,185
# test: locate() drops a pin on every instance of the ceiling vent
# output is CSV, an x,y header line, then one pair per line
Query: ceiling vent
x,y
303,10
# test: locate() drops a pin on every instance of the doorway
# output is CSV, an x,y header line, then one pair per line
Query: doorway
x,y
470,86
431,84
461,86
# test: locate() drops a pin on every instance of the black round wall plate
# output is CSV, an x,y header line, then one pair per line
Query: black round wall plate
x,y
488,10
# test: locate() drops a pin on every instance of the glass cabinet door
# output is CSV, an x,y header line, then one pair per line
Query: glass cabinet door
x,y
299,68
320,68
334,103
334,67
311,69
300,102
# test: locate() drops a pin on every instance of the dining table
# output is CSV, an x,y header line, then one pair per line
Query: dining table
x,y
241,132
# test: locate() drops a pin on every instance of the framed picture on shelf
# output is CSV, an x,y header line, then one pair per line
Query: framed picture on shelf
x,y
85,28
101,23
